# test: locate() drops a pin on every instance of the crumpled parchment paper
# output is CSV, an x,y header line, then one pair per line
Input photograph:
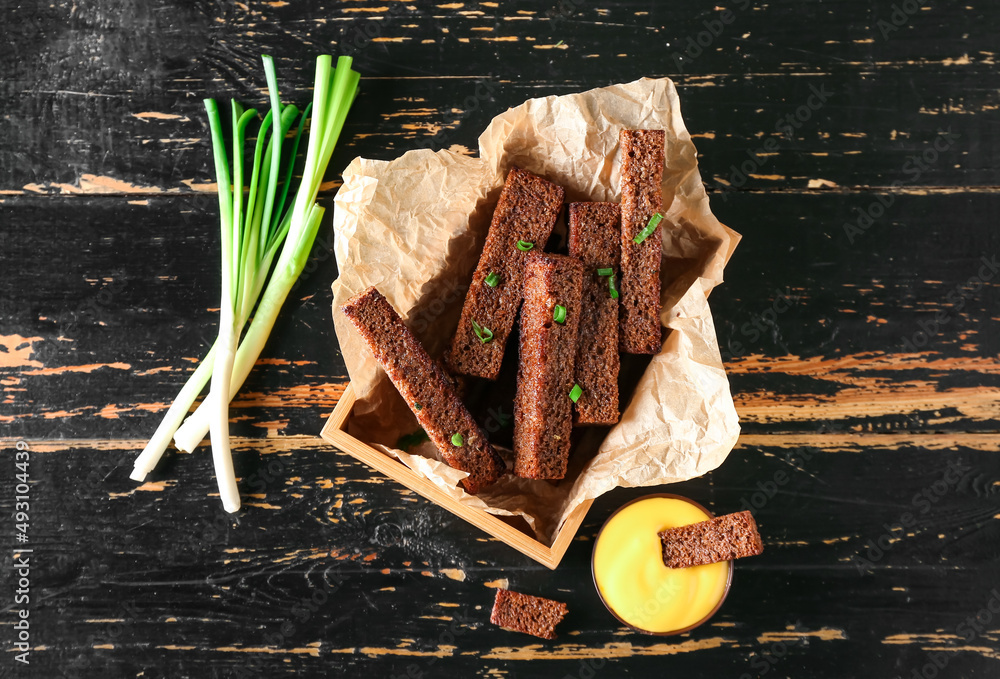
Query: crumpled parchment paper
x,y
414,228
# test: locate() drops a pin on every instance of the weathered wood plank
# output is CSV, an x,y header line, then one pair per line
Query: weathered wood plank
x,y
794,110
829,335
888,326
869,454
852,524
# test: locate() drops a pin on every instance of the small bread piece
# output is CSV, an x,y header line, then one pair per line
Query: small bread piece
x,y
425,387
732,536
529,614
527,211
543,410
595,239
642,197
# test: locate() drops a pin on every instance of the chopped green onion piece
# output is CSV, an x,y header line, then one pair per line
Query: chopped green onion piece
x,y
417,406
406,441
524,245
559,314
649,229
575,393
492,279
482,332
457,440
610,273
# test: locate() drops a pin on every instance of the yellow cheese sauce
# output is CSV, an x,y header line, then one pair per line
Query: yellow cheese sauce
x,y
631,577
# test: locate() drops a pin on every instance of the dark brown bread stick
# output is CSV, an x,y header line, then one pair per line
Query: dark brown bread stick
x,y
595,239
642,197
526,212
543,411
732,536
426,388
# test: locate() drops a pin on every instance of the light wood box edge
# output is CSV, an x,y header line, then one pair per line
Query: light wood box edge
x,y
334,433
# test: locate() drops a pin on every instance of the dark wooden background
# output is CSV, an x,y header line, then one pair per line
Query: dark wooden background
x,y
858,320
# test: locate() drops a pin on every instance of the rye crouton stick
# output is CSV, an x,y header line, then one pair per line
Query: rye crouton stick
x,y
426,389
595,239
642,240
543,404
523,219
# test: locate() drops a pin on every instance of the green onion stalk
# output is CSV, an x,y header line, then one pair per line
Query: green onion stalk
x,y
251,239
338,94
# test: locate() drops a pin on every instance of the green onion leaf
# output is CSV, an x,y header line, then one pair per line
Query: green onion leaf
x,y
524,245
559,314
457,440
417,406
492,279
606,272
649,228
575,393
482,332
265,244
406,441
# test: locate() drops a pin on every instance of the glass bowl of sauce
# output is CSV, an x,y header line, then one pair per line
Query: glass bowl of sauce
x,y
632,580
